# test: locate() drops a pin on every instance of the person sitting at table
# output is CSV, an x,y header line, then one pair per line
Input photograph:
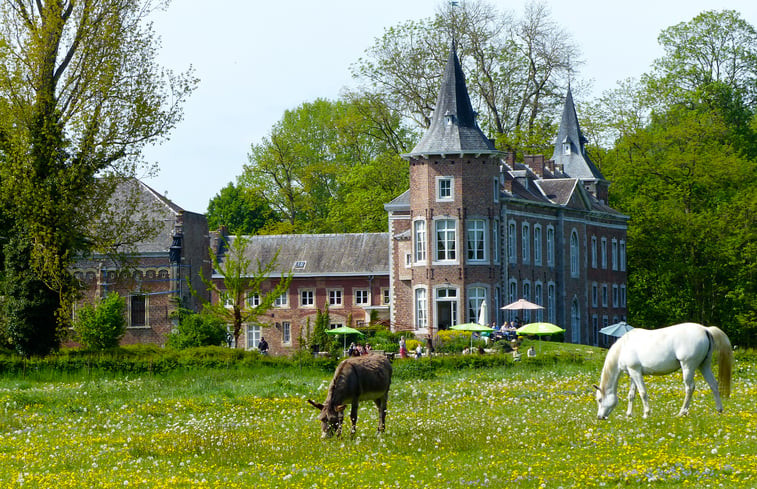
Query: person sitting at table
x,y
531,352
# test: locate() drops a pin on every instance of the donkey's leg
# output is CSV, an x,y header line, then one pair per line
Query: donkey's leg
x,y
710,378
381,406
688,382
638,379
631,396
353,416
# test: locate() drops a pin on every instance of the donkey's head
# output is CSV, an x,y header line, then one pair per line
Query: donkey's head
x,y
331,418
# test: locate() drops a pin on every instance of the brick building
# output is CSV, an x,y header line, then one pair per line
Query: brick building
x,y
349,272
155,272
477,226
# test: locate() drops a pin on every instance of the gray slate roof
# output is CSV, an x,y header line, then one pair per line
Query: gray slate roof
x,y
322,254
577,164
453,127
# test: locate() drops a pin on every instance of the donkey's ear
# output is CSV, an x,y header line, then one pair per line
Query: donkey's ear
x,y
597,387
340,408
316,405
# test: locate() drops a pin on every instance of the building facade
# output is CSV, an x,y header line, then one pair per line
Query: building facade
x,y
476,226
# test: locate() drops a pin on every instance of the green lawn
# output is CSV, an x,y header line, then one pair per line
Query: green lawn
x,y
531,424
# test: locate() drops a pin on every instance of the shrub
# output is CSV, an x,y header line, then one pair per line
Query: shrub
x,y
103,325
197,330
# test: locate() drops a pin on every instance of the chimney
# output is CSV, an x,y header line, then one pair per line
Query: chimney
x,y
551,166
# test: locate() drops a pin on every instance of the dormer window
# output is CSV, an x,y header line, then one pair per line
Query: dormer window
x,y
566,149
449,118
300,265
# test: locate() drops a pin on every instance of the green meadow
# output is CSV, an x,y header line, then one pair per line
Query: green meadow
x,y
450,424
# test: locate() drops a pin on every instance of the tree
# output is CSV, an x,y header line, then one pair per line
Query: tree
x,y
685,170
80,96
306,168
242,283
239,211
197,330
517,69
102,325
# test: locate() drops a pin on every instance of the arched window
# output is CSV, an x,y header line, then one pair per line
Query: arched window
x,y
575,321
476,296
574,254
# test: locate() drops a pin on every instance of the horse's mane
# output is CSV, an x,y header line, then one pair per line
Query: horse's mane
x,y
611,361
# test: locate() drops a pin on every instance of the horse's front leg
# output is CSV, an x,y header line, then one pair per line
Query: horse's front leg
x,y
631,397
638,379
688,382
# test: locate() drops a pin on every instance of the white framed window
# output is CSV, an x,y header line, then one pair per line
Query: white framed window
x,y
512,294
593,252
307,298
526,295
446,239
622,257
512,243
594,295
282,300
420,240
286,333
538,299
421,309
551,303
335,297
550,246
386,296
566,148
574,258
525,242
228,301
495,189
615,296
445,188
614,254
604,295
408,260
362,298
622,295
495,241
253,336
253,299
476,234
537,245
603,253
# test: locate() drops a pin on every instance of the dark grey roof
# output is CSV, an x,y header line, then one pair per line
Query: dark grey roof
x,y
322,254
453,128
400,203
577,164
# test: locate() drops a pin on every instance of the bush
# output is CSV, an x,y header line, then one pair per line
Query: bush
x,y
103,325
196,330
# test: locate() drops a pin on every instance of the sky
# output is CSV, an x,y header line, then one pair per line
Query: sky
x,y
256,59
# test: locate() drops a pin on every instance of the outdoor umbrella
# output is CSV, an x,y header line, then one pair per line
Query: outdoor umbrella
x,y
473,328
344,330
522,304
539,329
617,329
483,313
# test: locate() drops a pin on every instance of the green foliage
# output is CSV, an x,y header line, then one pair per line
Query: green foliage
x,y
101,326
320,341
240,211
196,330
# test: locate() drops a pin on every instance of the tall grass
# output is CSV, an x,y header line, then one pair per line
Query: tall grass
x,y
451,423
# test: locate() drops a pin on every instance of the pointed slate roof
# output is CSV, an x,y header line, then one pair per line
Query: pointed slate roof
x,y
577,164
453,128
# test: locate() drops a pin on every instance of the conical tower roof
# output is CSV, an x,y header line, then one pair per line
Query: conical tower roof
x,y
453,128
569,145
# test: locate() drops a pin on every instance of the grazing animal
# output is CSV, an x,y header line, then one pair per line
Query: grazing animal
x,y
688,346
356,379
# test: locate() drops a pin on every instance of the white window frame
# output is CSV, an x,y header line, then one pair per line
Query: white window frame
x,y
282,300
419,235
622,257
615,296
594,294
335,297
254,333
537,244
476,296
146,299
525,251
512,242
476,234
495,189
286,333
550,246
445,188
593,252
420,308
362,297
253,299
495,241
575,258
614,254
448,255
604,295
307,298
603,253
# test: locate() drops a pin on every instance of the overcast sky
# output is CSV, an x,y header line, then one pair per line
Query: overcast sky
x,y
256,59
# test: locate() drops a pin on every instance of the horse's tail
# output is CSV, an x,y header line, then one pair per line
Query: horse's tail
x,y
725,359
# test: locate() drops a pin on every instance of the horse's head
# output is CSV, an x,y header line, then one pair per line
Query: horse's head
x,y
331,419
606,401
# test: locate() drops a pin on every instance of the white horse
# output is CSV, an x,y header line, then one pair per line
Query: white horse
x,y
688,346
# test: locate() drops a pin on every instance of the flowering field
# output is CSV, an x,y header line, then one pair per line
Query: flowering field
x,y
523,425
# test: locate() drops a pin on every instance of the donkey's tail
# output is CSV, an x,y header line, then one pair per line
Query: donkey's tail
x,y
725,359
